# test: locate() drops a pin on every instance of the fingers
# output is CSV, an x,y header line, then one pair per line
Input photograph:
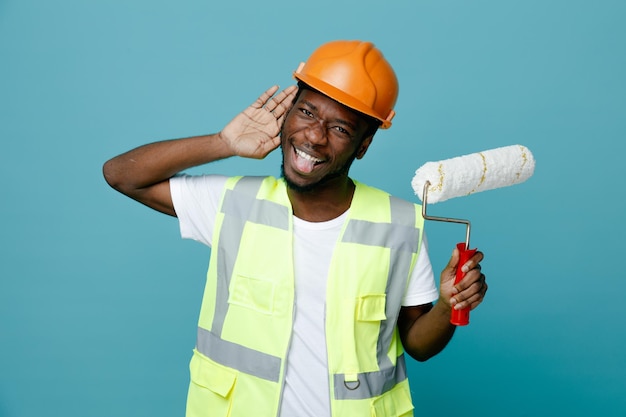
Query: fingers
x,y
281,103
260,102
470,291
277,104
474,262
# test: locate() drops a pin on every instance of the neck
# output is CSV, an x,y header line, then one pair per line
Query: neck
x,y
322,203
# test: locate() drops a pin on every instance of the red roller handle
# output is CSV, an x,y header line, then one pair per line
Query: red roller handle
x,y
461,317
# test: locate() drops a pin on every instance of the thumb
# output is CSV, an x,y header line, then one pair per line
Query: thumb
x,y
454,261
448,275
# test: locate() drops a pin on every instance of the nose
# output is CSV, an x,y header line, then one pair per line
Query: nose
x,y
315,132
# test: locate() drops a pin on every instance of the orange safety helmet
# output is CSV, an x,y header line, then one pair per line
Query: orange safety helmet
x,y
355,74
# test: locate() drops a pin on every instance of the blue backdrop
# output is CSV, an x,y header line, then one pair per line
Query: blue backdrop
x,y
99,296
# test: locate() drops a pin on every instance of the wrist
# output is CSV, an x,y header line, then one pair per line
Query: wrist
x,y
443,307
225,145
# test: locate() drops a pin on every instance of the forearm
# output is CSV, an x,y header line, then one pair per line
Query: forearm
x,y
425,330
427,335
156,162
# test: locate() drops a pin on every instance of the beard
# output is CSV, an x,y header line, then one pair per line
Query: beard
x,y
343,170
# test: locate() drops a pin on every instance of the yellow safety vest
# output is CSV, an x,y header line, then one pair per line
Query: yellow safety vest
x,y
245,323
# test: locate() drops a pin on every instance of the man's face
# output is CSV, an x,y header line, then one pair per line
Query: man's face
x,y
320,138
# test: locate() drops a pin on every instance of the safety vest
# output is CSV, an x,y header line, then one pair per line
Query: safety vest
x,y
245,323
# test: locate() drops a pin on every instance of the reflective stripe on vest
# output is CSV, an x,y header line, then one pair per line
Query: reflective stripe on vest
x,y
239,206
402,238
370,384
238,357
400,235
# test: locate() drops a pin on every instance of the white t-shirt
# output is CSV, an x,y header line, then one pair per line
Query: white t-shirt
x,y
306,390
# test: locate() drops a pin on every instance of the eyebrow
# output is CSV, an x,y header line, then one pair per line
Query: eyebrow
x,y
337,120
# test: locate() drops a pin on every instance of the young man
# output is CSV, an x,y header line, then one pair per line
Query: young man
x,y
317,283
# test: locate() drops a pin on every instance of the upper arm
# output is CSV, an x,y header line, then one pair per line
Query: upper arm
x,y
406,320
408,316
157,197
425,329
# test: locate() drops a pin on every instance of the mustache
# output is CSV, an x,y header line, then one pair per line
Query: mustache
x,y
308,188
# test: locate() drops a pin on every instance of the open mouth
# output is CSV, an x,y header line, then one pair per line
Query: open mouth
x,y
305,162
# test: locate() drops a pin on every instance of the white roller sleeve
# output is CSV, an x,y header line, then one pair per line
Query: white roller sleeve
x,y
473,173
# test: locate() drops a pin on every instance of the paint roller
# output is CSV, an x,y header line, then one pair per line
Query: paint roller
x,y
464,175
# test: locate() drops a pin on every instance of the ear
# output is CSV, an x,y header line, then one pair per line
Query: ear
x,y
365,144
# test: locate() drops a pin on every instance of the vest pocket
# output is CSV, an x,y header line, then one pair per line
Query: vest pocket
x,y
395,403
371,307
210,389
255,294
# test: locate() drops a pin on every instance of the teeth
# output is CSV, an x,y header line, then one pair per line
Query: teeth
x,y
307,156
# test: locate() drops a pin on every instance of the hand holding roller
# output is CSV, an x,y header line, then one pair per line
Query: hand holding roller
x,y
439,181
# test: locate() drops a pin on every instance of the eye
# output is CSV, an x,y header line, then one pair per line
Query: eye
x,y
341,130
306,112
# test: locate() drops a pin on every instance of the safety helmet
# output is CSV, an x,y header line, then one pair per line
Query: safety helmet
x,y
355,74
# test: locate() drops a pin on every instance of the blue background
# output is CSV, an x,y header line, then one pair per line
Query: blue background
x,y
99,296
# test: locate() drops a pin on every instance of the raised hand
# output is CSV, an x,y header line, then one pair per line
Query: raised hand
x,y
254,133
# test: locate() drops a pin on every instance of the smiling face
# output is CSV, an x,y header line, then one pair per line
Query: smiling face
x,y
320,139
